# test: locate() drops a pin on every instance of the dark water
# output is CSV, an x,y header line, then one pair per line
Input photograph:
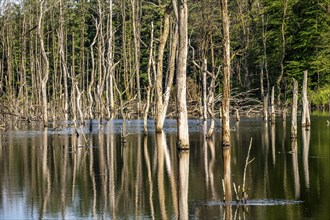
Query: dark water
x,y
55,174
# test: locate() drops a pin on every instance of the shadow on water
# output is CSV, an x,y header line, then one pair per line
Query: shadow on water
x,y
90,173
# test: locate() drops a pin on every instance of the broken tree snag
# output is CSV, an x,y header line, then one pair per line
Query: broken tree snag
x,y
294,110
183,132
237,116
305,116
226,75
265,108
284,113
272,117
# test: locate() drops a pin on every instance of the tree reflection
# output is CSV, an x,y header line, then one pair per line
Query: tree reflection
x,y
227,174
150,179
160,142
183,184
306,134
45,173
294,146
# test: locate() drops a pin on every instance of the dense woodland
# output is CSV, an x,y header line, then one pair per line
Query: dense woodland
x,y
109,59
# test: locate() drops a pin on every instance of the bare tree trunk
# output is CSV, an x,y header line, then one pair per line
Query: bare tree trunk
x,y
264,42
159,76
63,62
226,102
226,75
149,87
91,83
183,132
73,89
272,113
305,116
279,79
44,66
294,110
110,91
136,34
204,91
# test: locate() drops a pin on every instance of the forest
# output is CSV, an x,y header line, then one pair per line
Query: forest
x,y
85,59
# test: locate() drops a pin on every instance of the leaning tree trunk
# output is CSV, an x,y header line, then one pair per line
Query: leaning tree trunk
x,y
169,76
44,66
305,120
159,76
183,133
294,110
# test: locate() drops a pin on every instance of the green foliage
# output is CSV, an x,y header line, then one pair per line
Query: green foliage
x,y
308,41
321,96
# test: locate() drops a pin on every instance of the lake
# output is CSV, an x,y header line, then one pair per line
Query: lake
x,y
90,172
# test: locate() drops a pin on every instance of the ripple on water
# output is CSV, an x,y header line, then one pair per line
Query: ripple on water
x,y
258,202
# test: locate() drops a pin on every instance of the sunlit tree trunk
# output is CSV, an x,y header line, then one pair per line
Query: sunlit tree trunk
x,y
149,87
294,110
44,66
136,34
159,74
183,133
272,107
110,89
226,102
63,62
279,79
226,75
305,117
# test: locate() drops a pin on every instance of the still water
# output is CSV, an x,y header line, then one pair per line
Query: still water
x,y
55,173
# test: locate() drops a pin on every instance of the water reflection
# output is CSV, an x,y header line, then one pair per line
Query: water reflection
x,y
45,174
306,135
294,146
227,174
183,184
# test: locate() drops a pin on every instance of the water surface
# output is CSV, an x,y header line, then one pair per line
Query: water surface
x,y
55,173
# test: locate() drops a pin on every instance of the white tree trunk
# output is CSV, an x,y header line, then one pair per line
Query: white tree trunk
x,y
294,110
305,120
44,66
183,132
159,74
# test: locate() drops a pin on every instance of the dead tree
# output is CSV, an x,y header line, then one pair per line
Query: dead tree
x,y
44,65
272,108
226,75
136,34
182,19
159,74
294,110
226,102
149,87
305,116
204,91
63,62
